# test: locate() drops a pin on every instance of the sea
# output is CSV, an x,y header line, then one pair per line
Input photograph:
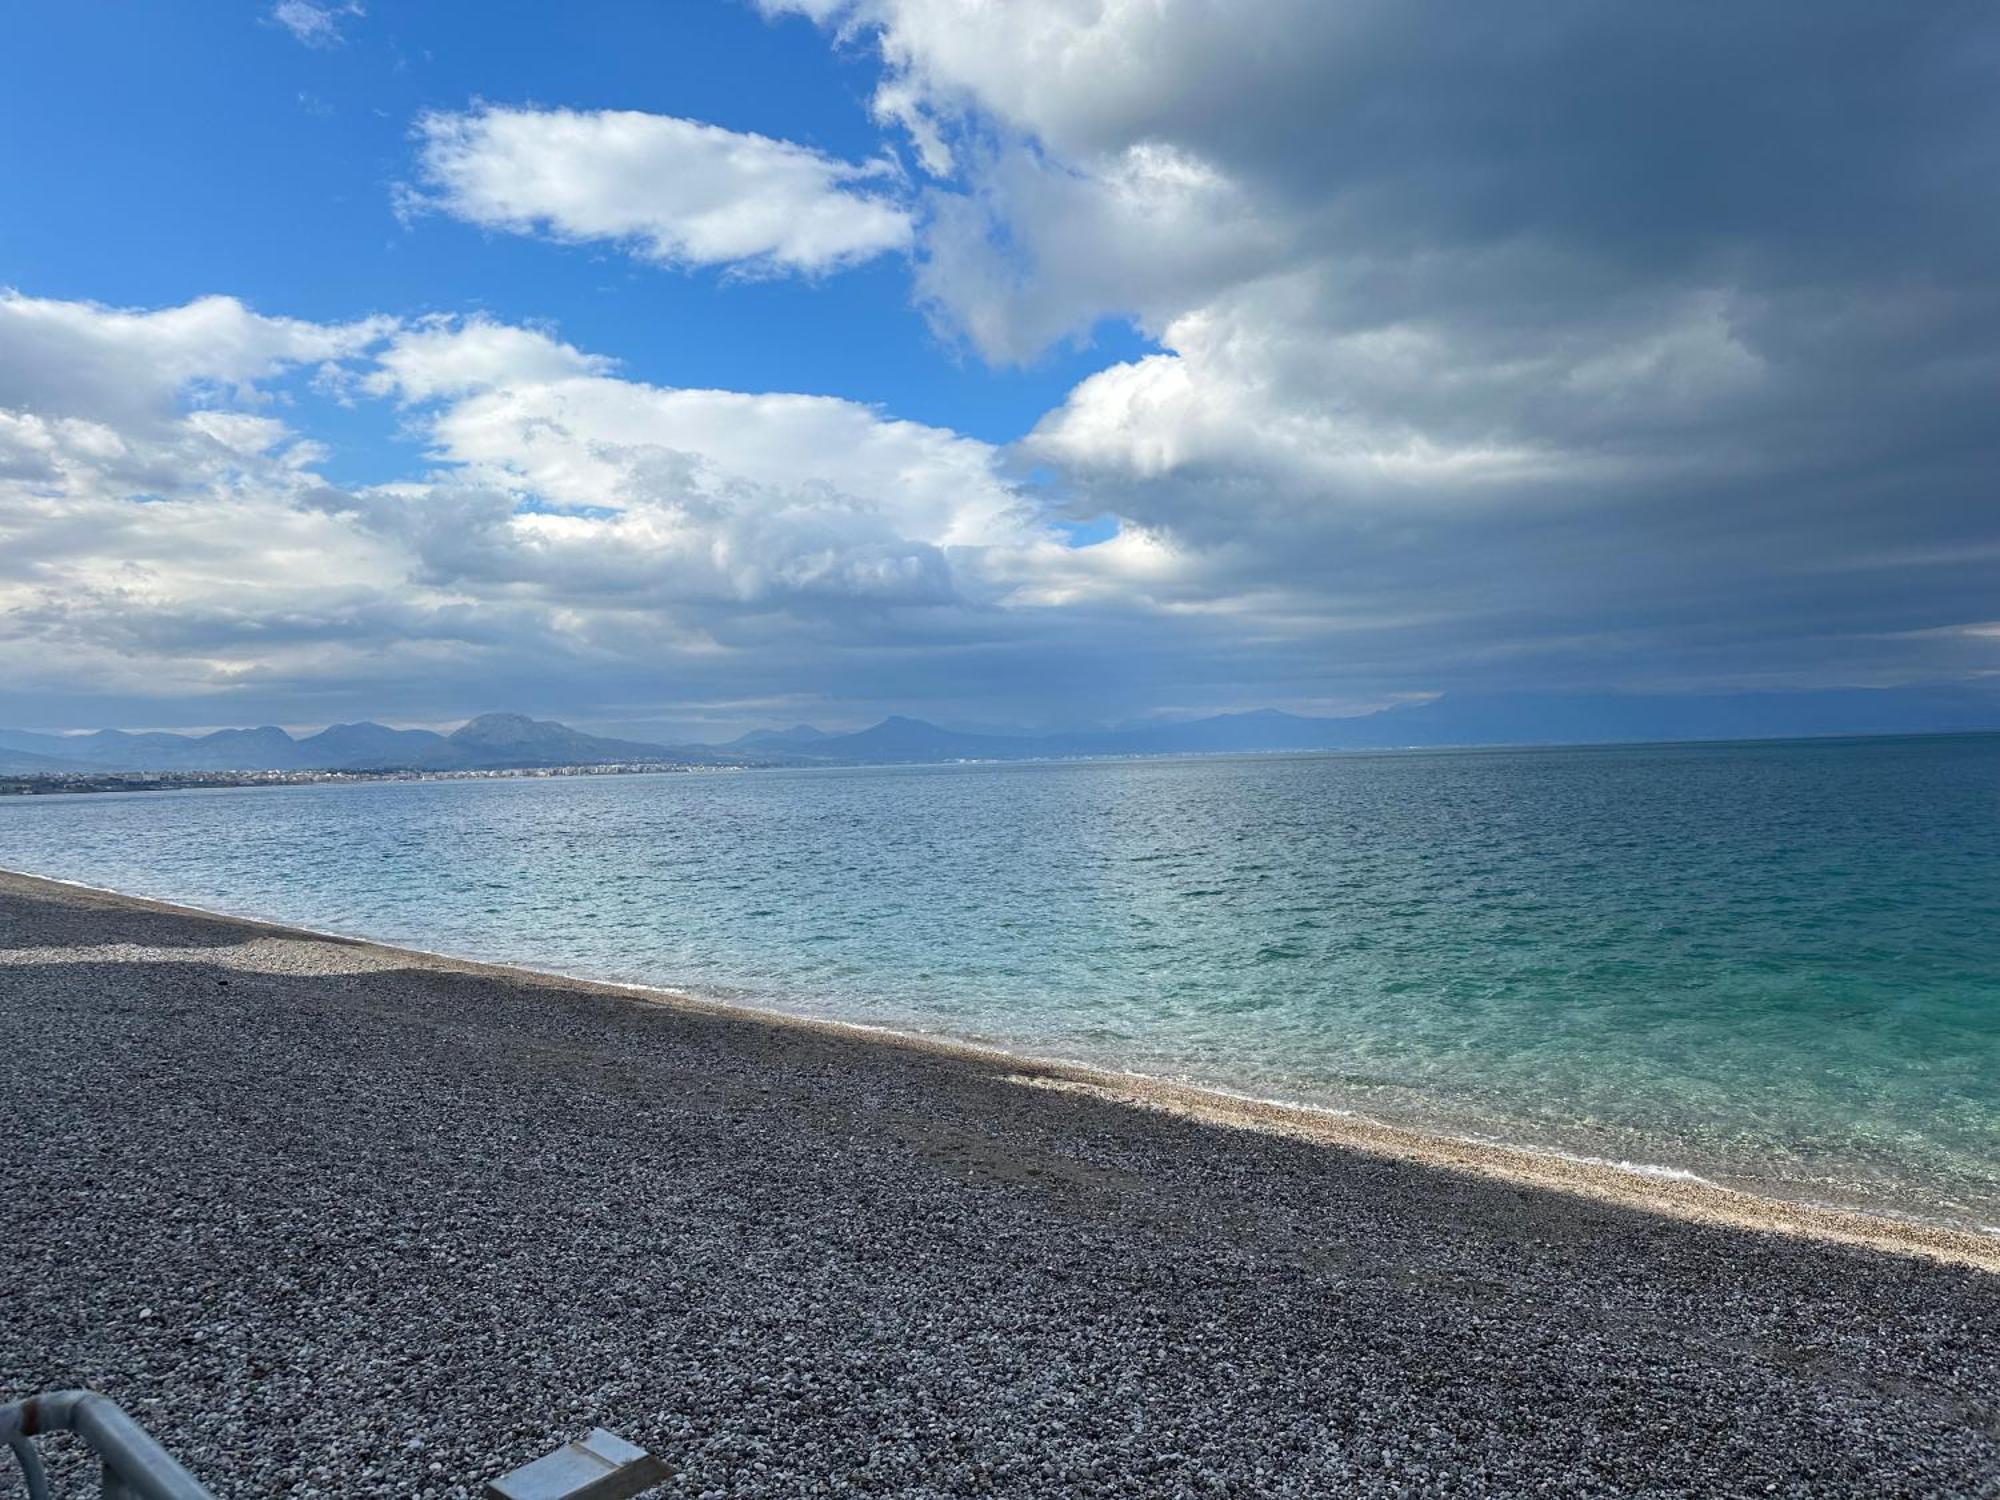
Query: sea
x,y
1774,966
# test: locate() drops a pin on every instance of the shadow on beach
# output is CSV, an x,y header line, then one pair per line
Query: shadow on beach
x,y
42,914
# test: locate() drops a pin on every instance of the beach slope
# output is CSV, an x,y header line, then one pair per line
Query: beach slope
x,y
333,1218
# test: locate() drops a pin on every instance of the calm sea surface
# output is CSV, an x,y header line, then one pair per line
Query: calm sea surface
x,y
1773,965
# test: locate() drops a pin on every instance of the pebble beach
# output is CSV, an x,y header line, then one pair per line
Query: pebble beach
x,y
332,1218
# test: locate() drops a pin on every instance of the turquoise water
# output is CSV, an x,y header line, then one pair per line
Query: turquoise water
x,y
1773,965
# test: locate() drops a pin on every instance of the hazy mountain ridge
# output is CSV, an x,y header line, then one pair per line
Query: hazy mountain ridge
x,y
489,742
1464,720
24,763
515,741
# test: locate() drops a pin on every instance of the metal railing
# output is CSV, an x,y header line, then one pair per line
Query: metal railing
x,y
600,1466
135,1467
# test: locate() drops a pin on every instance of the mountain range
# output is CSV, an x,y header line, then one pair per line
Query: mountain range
x,y
1468,719
514,741
490,742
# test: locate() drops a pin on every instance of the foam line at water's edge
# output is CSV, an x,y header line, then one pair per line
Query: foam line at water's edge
x,y
1639,1171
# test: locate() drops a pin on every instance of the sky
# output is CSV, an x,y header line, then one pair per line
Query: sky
x,y
684,368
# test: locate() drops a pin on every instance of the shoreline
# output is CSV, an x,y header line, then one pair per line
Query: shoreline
x,y
1655,1189
319,1207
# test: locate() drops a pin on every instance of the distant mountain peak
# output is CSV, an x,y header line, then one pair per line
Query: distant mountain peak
x,y
501,726
516,739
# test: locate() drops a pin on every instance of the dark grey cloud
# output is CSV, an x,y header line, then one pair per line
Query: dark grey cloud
x,y
1529,345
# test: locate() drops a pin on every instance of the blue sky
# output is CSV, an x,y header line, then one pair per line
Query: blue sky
x,y
415,360
187,150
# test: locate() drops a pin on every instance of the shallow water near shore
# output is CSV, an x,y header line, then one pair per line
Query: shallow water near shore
x,y
1776,966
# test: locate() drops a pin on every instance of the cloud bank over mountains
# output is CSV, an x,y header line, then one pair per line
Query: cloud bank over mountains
x,y
1547,348
169,531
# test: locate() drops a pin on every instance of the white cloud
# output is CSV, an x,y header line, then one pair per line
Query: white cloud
x,y
165,530
84,359
676,192
577,536
1035,250
152,535
1268,384
315,23
454,357
1084,76
677,495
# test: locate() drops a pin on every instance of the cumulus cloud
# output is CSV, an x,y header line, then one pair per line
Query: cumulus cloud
x,y
673,191
1564,344
1035,249
85,360
674,497
166,530
149,536
443,356
152,535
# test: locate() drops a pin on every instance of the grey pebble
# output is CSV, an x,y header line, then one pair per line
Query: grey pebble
x,y
363,1225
